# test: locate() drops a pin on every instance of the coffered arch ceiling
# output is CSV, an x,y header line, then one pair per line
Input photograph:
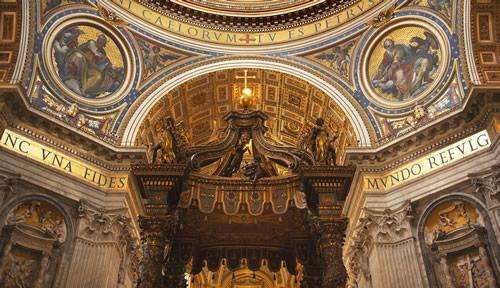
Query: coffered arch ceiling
x,y
292,105
362,130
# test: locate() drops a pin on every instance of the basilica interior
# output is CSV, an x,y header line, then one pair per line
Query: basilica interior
x,y
250,143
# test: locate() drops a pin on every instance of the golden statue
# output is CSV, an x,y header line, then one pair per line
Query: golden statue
x,y
320,143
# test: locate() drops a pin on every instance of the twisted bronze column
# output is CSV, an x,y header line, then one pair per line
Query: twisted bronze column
x,y
156,245
331,239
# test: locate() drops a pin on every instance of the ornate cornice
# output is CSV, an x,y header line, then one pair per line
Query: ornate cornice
x,y
484,104
15,114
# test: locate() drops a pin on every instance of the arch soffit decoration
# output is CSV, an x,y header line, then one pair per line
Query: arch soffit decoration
x,y
136,115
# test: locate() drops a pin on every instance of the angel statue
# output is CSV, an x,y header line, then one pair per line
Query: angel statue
x,y
320,143
164,146
236,156
173,143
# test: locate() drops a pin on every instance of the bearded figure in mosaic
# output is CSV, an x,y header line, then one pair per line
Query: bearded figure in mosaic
x,y
406,69
84,66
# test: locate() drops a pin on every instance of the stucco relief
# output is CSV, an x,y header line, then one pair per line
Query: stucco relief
x,y
31,242
459,252
41,216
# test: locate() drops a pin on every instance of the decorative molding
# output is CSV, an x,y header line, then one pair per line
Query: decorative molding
x,y
469,53
482,107
23,44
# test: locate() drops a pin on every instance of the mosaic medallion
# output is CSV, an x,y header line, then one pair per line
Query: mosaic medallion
x,y
88,61
403,65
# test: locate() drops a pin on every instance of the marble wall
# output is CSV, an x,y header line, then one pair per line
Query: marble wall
x,y
440,231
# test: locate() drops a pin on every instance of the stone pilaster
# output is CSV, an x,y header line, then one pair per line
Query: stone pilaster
x,y
382,251
487,186
8,181
103,240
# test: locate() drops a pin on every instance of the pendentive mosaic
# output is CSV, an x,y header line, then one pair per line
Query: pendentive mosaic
x,y
399,68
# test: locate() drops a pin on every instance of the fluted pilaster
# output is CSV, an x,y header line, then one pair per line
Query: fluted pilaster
x,y
102,243
382,252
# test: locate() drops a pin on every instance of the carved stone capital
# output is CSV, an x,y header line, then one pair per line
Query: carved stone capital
x,y
487,184
389,226
385,226
98,225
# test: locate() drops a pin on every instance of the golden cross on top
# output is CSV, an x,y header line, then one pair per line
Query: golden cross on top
x,y
245,77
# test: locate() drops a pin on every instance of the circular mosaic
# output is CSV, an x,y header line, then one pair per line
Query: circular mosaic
x,y
88,61
404,64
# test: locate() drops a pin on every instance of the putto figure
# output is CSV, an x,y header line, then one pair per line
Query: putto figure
x,y
406,69
85,68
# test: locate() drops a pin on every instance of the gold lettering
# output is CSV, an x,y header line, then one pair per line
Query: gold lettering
x,y
64,163
215,36
158,21
428,163
372,183
231,38
485,142
17,145
192,31
317,26
205,35
144,14
350,14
